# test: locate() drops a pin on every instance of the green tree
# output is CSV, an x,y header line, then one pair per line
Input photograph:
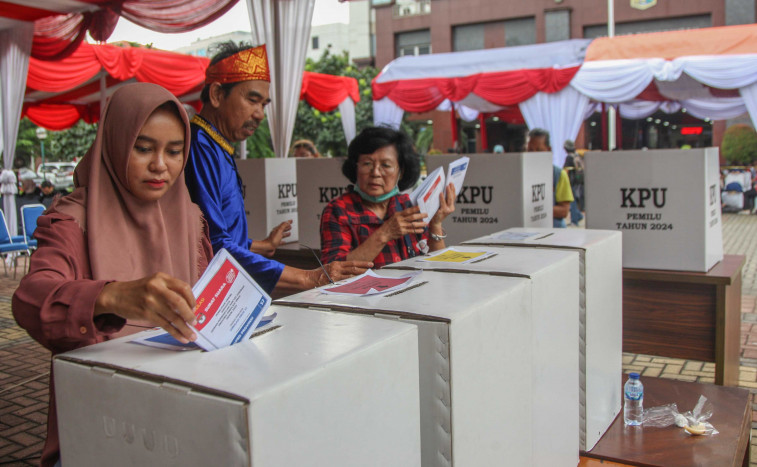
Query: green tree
x,y
739,145
260,145
59,145
325,129
27,144
71,143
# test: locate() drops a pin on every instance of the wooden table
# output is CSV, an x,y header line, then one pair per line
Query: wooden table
x,y
689,315
672,446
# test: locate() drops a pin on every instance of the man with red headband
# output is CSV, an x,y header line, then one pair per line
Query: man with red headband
x,y
236,92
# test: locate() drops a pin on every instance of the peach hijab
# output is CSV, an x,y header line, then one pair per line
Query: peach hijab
x,y
129,238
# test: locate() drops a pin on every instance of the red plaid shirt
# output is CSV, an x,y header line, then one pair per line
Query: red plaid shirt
x,y
346,223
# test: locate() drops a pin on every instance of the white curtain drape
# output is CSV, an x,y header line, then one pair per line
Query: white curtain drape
x,y
635,110
284,26
612,81
347,110
749,94
387,113
713,108
682,79
15,48
561,113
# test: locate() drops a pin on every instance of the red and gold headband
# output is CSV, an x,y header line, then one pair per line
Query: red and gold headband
x,y
247,65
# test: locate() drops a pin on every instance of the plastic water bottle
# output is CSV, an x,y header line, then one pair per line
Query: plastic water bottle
x,y
633,409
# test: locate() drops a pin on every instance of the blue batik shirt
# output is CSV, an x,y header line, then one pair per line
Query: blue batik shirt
x,y
214,184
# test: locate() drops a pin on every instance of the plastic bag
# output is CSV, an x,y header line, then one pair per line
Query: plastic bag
x,y
661,416
697,418
694,422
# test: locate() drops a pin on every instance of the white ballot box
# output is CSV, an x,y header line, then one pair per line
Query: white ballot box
x,y
499,191
665,201
493,379
318,181
555,358
319,390
270,195
600,315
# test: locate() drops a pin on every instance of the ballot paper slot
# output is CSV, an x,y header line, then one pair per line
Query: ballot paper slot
x,y
363,311
538,246
161,380
484,258
414,286
264,331
460,271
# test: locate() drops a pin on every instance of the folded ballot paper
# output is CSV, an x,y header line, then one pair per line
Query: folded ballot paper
x,y
427,194
230,305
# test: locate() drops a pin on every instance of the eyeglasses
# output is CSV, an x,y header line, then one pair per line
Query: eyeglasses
x,y
305,146
368,166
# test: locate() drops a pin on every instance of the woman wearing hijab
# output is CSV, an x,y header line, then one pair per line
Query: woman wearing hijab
x,y
122,251
374,221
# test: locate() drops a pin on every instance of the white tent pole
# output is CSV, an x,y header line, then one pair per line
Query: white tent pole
x,y
611,124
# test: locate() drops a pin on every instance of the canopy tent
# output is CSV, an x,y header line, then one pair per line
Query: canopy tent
x,y
56,28
489,81
711,72
61,25
59,93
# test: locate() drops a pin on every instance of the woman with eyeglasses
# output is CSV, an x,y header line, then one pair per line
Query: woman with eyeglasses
x,y
374,221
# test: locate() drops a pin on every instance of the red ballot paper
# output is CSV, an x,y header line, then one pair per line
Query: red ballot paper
x,y
370,283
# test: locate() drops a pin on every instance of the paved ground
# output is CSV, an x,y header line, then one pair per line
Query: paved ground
x,y
24,365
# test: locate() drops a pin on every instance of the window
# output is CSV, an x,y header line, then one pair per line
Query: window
x,y
315,42
557,25
413,43
652,25
469,37
521,31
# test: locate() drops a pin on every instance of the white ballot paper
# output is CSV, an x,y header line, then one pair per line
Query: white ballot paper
x,y
456,173
370,283
229,304
427,194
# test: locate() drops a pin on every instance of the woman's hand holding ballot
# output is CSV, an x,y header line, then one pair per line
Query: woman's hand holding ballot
x,y
446,207
160,300
407,221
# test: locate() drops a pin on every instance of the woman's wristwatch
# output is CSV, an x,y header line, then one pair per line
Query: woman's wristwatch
x,y
438,238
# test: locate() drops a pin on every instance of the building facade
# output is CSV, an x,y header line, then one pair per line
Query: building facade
x,y
408,27
356,37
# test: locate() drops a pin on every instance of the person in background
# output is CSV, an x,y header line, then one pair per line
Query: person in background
x,y
374,221
538,141
498,149
574,166
237,85
121,252
304,148
47,193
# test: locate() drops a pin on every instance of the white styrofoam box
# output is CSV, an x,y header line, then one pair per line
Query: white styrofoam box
x,y
491,365
600,315
318,182
270,187
499,191
323,389
555,304
665,201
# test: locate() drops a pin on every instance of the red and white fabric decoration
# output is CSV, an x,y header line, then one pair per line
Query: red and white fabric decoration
x,y
490,81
